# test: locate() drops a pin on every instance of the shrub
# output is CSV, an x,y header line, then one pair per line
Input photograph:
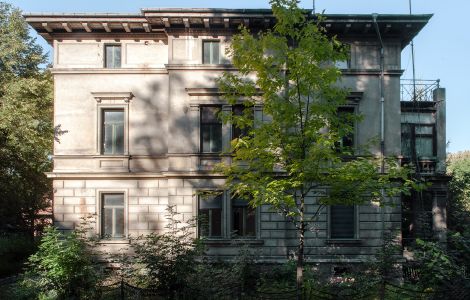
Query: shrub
x,y
164,261
14,251
63,266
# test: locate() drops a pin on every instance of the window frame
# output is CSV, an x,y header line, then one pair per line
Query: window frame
x,y
201,132
210,55
233,128
100,217
349,109
105,55
222,214
245,210
226,220
101,108
413,137
356,234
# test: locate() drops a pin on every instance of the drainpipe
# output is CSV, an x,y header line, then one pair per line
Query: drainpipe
x,y
382,96
382,130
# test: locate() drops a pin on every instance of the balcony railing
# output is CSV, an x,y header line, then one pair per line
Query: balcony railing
x,y
418,90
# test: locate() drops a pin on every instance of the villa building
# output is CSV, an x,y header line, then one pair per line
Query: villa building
x,y
137,96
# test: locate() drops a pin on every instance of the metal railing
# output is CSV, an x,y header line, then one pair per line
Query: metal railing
x,y
418,90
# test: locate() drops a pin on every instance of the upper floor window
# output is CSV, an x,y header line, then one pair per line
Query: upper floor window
x,y
239,110
211,129
211,52
342,222
418,140
112,215
345,117
112,138
112,56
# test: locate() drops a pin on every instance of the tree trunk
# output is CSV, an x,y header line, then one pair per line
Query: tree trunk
x,y
300,252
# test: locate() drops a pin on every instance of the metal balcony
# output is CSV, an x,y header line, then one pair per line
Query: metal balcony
x,y
418,90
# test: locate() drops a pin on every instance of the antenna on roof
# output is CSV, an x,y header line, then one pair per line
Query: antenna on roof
x,y
413,61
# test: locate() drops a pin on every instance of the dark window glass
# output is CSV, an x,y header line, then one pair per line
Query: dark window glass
x,y
243,218
342,222
112,215
417,140
345,117
112,56
113,131
211,52
211,129
210,215
239,110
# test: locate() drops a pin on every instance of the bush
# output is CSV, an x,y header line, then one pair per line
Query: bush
x,y
62,267
164,261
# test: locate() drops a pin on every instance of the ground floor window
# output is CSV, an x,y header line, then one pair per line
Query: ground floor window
x,y
222,216
342,222
112,215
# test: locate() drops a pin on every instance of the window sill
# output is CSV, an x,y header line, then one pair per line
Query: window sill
x,y
343,241
233,242
116,241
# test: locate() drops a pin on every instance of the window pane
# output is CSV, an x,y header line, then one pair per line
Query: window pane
x,y
423,129
119,222
113,56
237,220
250,229
342,221
211,129
113,199
107,222
216,222
239,110
203,222
216,138
424,146
406,146
211,201
209,114
211,52
113,131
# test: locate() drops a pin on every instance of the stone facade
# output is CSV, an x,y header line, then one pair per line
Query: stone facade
x,y
160,86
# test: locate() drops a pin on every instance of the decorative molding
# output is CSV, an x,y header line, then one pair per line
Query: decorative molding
x,y
100,96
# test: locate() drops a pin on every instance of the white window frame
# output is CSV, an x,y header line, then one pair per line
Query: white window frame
x,y
99,208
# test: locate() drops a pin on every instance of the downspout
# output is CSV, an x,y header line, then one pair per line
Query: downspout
x,y
382,136
382,96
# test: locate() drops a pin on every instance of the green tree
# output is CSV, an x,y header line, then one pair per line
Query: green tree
x,y
294,158
459,208
26,128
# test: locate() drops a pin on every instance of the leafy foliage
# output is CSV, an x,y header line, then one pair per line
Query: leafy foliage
x,y
165,260
293,155
26,128
63,266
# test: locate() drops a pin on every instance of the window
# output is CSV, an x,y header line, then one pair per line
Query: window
x,y
112,56
112,215
243,218
418,140
211,51
239,110
342,222
210,215
112,127
345,117
211,129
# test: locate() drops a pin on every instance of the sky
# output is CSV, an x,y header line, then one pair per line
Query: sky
x,y
441,47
